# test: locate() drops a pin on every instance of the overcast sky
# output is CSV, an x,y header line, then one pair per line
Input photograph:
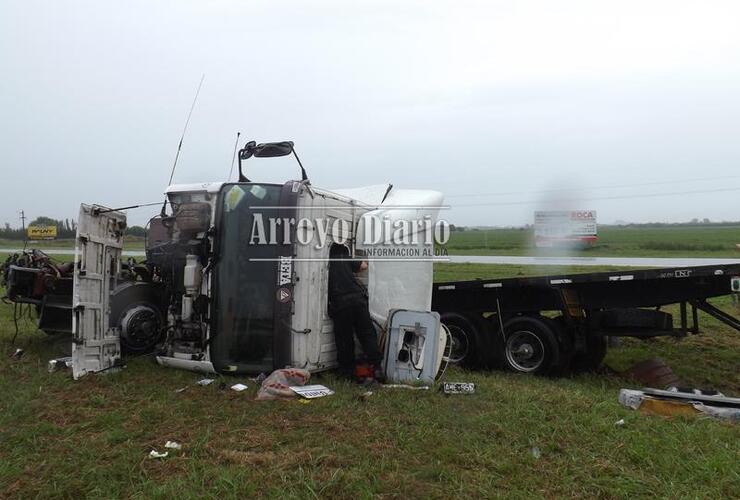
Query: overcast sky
x,y
505,106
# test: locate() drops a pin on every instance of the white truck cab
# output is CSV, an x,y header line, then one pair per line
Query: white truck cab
x,y
236,275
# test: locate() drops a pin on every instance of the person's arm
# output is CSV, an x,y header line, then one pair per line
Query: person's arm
x,y
359,265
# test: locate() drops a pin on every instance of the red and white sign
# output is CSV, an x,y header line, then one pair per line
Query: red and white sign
x,y
563,227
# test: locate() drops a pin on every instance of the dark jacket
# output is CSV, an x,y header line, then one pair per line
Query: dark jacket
x,y
344,288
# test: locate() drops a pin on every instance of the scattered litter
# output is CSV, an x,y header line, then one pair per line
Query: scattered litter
x,y
731,414
312,391
406,386
238,387
156,454
690,402
630,398
260,378
458,388
205,381
59,364
173,445
536,453
18,354
365,395
619,423
304,401
277,384
181,389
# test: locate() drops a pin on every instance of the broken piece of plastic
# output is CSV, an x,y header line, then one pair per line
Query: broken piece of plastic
x,y
173,445
156,454
205,381
181,389
619,422
238,387
59,363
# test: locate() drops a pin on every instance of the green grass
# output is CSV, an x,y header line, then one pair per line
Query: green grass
x,y
614,241
90,438
445,271
130,243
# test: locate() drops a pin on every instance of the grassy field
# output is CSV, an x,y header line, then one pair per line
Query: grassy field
x,y
614,241
518,436
130,242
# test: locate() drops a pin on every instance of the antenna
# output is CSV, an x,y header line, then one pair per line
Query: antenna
x,y
185,128
233,156
182,137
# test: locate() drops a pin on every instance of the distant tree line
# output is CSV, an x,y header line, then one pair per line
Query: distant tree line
x,y
66,229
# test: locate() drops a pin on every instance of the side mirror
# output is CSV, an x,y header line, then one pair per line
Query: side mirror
x,y
267,150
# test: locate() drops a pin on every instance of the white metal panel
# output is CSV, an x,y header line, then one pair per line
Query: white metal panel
x,y
209,187
314,350
98,248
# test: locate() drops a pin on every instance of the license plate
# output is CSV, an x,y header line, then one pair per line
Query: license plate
x,y
312,391
458,388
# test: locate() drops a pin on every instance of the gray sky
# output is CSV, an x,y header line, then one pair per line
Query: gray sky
x,y
504,98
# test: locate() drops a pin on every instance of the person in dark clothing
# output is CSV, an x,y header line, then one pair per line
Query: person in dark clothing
x,y
348,307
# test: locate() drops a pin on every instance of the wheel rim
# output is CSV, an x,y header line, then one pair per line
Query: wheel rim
x,y
459,344
525,352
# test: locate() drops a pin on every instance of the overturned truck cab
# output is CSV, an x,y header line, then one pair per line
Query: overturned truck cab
x,y
236,279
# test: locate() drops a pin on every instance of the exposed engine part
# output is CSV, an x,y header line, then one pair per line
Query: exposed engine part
x,y
191,280
138,308
140,327
33,278
30,275
192,218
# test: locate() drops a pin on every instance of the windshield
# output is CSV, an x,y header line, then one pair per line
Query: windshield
x,y
244,287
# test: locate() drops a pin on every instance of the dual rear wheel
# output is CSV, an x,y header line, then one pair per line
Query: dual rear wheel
x,y
531,344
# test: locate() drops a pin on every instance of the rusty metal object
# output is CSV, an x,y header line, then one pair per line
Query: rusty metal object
x,y
653,373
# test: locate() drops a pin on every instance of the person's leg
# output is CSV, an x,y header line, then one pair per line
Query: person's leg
x,y
344,340
366,334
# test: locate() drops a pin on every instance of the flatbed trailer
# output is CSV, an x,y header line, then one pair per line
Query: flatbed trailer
x,y
554,324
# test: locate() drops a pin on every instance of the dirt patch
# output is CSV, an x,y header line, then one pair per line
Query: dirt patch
x,y
260,457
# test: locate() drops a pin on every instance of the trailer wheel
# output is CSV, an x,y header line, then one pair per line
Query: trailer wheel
x,y
531,346
592,358
465,340
565,341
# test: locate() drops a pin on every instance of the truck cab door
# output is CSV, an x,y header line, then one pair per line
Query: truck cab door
x,y
99,242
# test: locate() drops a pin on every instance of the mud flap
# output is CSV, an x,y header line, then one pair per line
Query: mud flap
x,y
98,247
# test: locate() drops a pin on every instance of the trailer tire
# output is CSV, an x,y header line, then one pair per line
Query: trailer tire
x,y
565,339
531,346
467,337
592,358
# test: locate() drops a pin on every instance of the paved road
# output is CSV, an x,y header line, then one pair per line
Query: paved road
x,y
70,251
591,261
519,260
